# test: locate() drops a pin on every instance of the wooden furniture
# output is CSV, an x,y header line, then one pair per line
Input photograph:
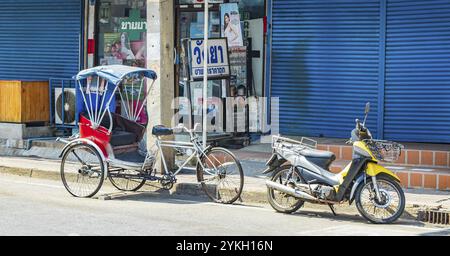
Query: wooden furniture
x,y
24,101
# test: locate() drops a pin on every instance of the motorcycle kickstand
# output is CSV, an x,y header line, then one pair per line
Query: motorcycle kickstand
x,y
332,209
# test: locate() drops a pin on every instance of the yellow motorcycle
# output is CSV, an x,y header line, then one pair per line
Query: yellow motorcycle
x,y
300,173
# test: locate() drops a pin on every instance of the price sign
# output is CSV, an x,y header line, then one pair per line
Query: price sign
x,y
218,62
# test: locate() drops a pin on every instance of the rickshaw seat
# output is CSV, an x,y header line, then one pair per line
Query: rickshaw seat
x,y
121,138
161,130
124,131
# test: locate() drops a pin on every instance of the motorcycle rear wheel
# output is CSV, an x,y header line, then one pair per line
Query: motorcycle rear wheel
x,y
279,201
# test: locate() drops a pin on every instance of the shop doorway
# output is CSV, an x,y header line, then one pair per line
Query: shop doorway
x,y
242,24
190,25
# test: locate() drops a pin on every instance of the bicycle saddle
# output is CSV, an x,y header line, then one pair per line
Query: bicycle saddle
x,y
161,130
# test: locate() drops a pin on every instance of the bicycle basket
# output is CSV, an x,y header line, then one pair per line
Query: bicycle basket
x,y
383,150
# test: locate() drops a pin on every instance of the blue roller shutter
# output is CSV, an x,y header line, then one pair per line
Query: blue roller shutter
x,y
39,39
325,57
417,94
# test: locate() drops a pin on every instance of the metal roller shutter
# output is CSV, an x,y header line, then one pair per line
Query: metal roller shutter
x,y
325,58
39,39
417,94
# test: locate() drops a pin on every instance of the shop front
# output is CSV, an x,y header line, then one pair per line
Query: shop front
x,y
242,25
331,57
120,36
40,39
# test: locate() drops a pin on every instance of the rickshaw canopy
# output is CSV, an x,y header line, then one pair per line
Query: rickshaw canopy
x,y
115,73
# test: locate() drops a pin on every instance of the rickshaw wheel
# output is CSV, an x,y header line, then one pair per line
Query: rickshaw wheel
x,y
82,170
125,184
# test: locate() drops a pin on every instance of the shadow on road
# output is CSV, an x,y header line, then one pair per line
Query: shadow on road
x,y
354,217
443,232
154,196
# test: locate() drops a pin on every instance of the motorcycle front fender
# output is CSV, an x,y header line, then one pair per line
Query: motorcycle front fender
x,y
372,169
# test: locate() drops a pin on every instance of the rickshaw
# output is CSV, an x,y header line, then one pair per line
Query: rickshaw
x,y
112,124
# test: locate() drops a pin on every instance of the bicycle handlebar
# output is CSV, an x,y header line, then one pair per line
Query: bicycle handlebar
x,y
184,128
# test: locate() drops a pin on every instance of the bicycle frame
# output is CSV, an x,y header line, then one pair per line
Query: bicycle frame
x,y
198,150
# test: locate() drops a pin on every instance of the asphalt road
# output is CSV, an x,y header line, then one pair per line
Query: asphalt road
x,y
43,207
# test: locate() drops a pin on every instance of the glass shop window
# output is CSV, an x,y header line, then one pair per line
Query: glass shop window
x,y
122,27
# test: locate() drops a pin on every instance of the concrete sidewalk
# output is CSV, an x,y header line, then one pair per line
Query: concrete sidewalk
x,y
254,187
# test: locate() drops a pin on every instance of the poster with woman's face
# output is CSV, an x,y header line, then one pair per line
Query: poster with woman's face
x,y
118,49
231,24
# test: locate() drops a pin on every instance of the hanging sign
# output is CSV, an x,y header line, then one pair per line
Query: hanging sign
x,y
218,62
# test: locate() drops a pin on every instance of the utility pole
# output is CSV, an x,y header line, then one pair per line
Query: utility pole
x,y
205,74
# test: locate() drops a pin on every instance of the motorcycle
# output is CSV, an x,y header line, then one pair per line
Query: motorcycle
x,y
300,173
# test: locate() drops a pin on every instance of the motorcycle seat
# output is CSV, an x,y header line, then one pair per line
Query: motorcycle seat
x,y
317,153
161,130
319,157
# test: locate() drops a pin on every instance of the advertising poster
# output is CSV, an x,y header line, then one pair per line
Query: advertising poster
x,y
238,63
110,50
118,49
231,24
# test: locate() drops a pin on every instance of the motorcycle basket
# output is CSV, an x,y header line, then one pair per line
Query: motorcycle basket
x,y
383,150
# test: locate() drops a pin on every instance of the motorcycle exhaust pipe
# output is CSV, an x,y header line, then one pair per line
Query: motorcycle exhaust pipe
x,y
290,191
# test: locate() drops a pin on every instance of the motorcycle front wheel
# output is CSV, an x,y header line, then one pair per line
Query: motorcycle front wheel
x,y
390,206
281,202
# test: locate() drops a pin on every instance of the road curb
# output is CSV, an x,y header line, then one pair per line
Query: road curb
x,y
195,189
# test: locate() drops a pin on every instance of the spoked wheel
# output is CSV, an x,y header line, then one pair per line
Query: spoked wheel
x,y
386,210
282,202
126,180
82,170
221,176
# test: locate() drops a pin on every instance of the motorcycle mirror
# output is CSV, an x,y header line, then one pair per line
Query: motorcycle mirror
x,y
366,111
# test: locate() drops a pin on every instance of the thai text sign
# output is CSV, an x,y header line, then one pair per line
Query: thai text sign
x,y
218,63
133,25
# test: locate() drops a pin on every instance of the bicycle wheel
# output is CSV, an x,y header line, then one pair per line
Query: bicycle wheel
x,y
221,175
82,170
126,180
